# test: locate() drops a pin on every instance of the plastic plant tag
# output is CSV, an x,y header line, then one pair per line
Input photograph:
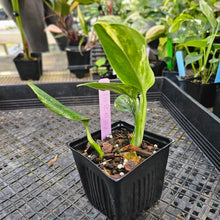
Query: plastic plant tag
x,y
169,53
217,78
105,110
180,63
148,52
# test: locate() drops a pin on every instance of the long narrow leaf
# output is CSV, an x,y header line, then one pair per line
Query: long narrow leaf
x,y
55,106
196,43
82,21
208,12
86,2
118,88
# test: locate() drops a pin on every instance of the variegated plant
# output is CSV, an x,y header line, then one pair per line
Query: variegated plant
x,y
126,51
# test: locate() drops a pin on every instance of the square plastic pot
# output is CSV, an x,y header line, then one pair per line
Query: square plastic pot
x,y
29,69
77,61
157,66
173,76
203,93
126,197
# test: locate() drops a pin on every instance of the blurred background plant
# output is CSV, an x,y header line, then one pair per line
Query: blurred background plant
x,y
70,21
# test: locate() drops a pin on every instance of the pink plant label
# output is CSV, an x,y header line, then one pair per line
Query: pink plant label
x,y
148,51
105,111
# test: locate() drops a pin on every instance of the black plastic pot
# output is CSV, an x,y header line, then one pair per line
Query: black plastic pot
x,y
157,66
29,69
173,76
203,93
77,61
126,197
216,107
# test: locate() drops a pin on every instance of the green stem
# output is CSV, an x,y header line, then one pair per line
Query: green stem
x,y
140,120
16,10
208,51
192,64
92,142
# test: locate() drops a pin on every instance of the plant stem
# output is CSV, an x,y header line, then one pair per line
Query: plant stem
x,y
140,120
16,9
192,64
91,141
208,51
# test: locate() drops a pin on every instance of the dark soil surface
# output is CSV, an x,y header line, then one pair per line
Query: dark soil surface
x,y
119,156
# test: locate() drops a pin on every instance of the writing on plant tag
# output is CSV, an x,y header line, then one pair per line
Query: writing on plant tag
x,y
105,110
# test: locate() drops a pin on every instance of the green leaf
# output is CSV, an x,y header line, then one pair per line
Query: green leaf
x,y
82,21
55,106
178,21
196,43
101,61
208,12
118,88
216,46
155,32
214,60
87,2
126,51
111,19
62,7
125,104
192,58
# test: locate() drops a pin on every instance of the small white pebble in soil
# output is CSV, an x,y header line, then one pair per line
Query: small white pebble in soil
x,y
120,166
104,163
109,136
116,145
125,161
121,174
155,145
89,156
154,152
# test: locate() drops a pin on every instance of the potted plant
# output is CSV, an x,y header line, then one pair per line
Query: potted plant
x,y
141,160
29,65
101,69
204,59
78,40
176,22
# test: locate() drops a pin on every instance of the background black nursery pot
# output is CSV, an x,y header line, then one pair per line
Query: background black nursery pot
x,y
29,65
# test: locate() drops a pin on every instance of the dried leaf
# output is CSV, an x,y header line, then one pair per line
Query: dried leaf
x,y
54,29
120,141
130,135
147,145
131,164
137,149
113,176
53,161
87,147
131,156
132,159
107,147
